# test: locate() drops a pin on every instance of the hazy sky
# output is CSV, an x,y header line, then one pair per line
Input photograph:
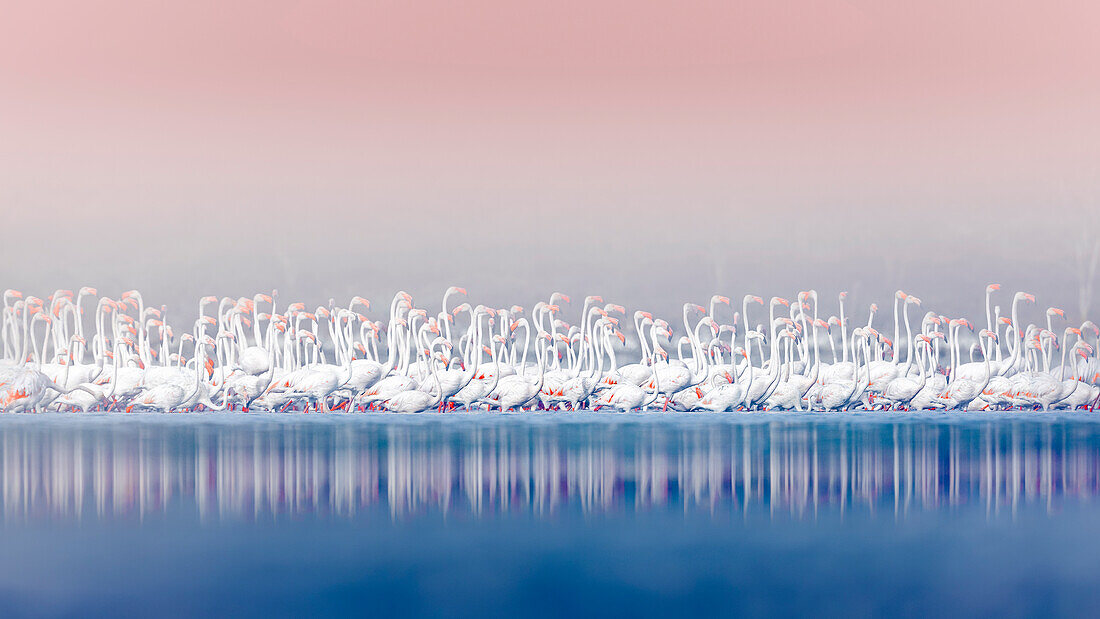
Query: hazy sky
x,y
654,152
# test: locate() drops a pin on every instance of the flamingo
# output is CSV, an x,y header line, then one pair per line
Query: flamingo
x,y
516,391
269,360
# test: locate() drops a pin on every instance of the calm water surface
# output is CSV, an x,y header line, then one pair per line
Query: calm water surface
x,y
547,514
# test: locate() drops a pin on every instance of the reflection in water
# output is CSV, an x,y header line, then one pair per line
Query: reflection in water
x,y
264,468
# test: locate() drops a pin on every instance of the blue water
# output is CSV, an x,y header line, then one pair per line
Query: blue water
x,y
550,514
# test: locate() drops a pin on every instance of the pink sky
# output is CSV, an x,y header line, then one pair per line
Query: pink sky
x,y
713,135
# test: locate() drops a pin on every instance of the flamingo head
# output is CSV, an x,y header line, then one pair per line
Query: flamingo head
x,y
456,290
992,287
1055,311
900,295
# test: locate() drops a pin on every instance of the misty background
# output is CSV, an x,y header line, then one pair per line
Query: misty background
x,y
651,153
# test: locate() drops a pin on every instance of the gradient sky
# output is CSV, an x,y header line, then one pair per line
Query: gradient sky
x,y
654,152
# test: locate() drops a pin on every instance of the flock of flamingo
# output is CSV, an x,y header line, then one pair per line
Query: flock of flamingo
x,y
251,354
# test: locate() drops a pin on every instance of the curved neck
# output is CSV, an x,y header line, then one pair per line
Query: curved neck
x,y
843,332
897,333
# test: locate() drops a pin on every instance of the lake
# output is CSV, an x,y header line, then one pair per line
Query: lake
x,y
549,514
